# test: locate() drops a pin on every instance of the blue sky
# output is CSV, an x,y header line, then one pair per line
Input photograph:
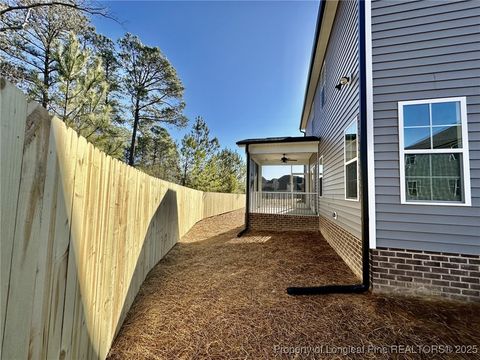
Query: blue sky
x,y
244,64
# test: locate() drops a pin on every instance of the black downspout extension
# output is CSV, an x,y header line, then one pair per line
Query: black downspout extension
x,y
247,193
365,285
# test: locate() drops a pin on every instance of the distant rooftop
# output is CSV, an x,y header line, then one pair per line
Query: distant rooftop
x,y
272,140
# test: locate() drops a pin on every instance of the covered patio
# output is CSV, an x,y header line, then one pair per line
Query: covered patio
x,y
294,194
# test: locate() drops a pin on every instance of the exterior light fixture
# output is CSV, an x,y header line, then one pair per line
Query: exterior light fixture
x,y
343,81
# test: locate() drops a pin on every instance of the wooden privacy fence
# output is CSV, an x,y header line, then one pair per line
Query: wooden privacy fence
x,y
79,233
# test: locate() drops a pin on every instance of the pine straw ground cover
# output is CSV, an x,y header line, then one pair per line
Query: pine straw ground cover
x,y
220,297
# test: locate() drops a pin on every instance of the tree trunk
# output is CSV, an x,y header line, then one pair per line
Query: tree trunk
x,y
134,134
64,115
155,153
185,168
107,78
46,74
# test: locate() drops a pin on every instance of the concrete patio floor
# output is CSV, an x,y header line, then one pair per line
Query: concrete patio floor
x,y
218,296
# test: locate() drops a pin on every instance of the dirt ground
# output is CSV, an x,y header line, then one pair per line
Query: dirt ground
x,y
216,296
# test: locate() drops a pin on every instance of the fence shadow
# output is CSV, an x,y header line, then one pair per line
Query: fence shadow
x,y
164,225
80,232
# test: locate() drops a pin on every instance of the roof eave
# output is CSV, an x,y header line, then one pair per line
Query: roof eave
x,y
290,139
325,19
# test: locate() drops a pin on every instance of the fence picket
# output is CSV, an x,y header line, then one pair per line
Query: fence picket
x,y
13,111
80,231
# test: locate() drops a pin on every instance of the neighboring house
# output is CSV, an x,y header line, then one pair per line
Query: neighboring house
x,y
393,98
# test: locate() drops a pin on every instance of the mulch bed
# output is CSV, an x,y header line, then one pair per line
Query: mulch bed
x,y
217,296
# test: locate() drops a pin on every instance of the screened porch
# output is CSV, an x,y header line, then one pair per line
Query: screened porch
x,y
282,175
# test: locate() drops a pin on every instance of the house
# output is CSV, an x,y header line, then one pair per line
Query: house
x,y
393,103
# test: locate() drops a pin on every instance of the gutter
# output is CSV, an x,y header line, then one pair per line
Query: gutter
x,y
247,193
365,285
280,140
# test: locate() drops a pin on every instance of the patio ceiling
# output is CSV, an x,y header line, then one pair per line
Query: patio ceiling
x,y
275,158
269,151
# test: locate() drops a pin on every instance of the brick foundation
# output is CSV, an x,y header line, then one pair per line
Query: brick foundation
x,y
276,222
454,276
345,244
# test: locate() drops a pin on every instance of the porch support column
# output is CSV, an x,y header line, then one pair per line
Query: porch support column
x,y
260,181
247,193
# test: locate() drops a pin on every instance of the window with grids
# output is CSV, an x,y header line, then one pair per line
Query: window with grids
x,y
434,151
351,161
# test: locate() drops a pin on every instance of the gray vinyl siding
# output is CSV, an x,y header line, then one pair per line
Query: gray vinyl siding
x,y
340,109
424,50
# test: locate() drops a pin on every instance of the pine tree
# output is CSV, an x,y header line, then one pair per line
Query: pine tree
x,y
105,49
158,154
197,149
80,98
230,176
152,85
30,50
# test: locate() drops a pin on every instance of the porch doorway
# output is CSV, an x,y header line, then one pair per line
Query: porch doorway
x,y
281,200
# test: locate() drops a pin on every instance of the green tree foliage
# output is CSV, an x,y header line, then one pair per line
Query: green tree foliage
x,y
205,167
230,172
110,91
106,50
158,154
197,149
28,51
80,97
153,87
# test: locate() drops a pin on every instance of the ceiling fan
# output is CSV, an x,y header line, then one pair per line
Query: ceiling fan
x,y
284,159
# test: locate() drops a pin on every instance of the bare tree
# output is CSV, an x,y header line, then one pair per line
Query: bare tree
x,y
15,15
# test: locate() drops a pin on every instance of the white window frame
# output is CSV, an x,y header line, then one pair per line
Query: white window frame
x,y
464,151
320,161
345,163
